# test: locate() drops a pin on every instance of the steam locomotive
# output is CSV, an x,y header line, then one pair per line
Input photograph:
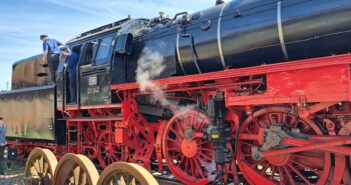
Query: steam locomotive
x,y
116,120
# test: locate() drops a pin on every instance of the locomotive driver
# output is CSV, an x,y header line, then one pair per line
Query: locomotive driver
x,y
2,145
71,64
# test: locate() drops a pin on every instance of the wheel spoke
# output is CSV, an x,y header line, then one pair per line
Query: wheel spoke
x,y
269,119
83,179
201,125
205,156
198,167
181,161
176,133
304,166
306,156
76,174
36,165
284,118
133,182
203,143
34,171
263,172
192,167
176,156
272,173
174,149
299,174
193,121
180,127
205,149
46,167
174,141
122,181
259,162
41,164
186,167
281,176
289,176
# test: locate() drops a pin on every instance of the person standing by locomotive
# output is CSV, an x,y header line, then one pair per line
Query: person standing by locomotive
x,y
71,64
2,145
51,54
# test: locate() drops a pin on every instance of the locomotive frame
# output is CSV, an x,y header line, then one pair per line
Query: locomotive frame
x,y
110,127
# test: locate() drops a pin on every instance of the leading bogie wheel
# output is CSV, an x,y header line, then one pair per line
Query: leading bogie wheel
x,y
40,166
75,170
189,158
122,173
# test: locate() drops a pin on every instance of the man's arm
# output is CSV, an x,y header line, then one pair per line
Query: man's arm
x,y
45,50
59,43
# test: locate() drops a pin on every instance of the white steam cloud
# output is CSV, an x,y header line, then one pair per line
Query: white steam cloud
x,y
150,66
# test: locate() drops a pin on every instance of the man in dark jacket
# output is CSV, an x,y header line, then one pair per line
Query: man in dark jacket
x,y
2,145
51,54
72,60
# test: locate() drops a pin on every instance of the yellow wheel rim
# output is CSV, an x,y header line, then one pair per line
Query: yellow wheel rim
x,y
75,170
41,165
122,173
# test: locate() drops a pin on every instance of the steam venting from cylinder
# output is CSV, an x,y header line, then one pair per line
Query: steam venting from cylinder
x,y
151,65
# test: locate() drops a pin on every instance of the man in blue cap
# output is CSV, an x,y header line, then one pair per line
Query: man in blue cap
x,y
2,145
51,54
72,60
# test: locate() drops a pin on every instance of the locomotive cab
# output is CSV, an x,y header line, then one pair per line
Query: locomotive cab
x,y
96,49
104,54
93,72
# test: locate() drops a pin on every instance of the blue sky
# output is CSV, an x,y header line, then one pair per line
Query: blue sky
x,y
22,21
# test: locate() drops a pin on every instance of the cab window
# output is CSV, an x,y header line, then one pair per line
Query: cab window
x,y
103,52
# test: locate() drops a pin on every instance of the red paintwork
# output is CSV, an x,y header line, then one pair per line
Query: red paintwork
x,y
308,89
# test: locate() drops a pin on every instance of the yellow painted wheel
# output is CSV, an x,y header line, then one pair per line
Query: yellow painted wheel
x,y
122,173
75,170
40,166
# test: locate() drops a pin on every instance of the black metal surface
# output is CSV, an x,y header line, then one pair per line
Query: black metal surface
x,y
249,34
95,85
218,132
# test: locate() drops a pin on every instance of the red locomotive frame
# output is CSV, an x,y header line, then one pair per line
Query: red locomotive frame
x,y
310,95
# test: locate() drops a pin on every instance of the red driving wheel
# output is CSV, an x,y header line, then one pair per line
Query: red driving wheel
x,y
307,167
190,159
109,152
89,137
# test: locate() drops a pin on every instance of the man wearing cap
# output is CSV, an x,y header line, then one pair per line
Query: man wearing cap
x,y
2,145
71,64
51,54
